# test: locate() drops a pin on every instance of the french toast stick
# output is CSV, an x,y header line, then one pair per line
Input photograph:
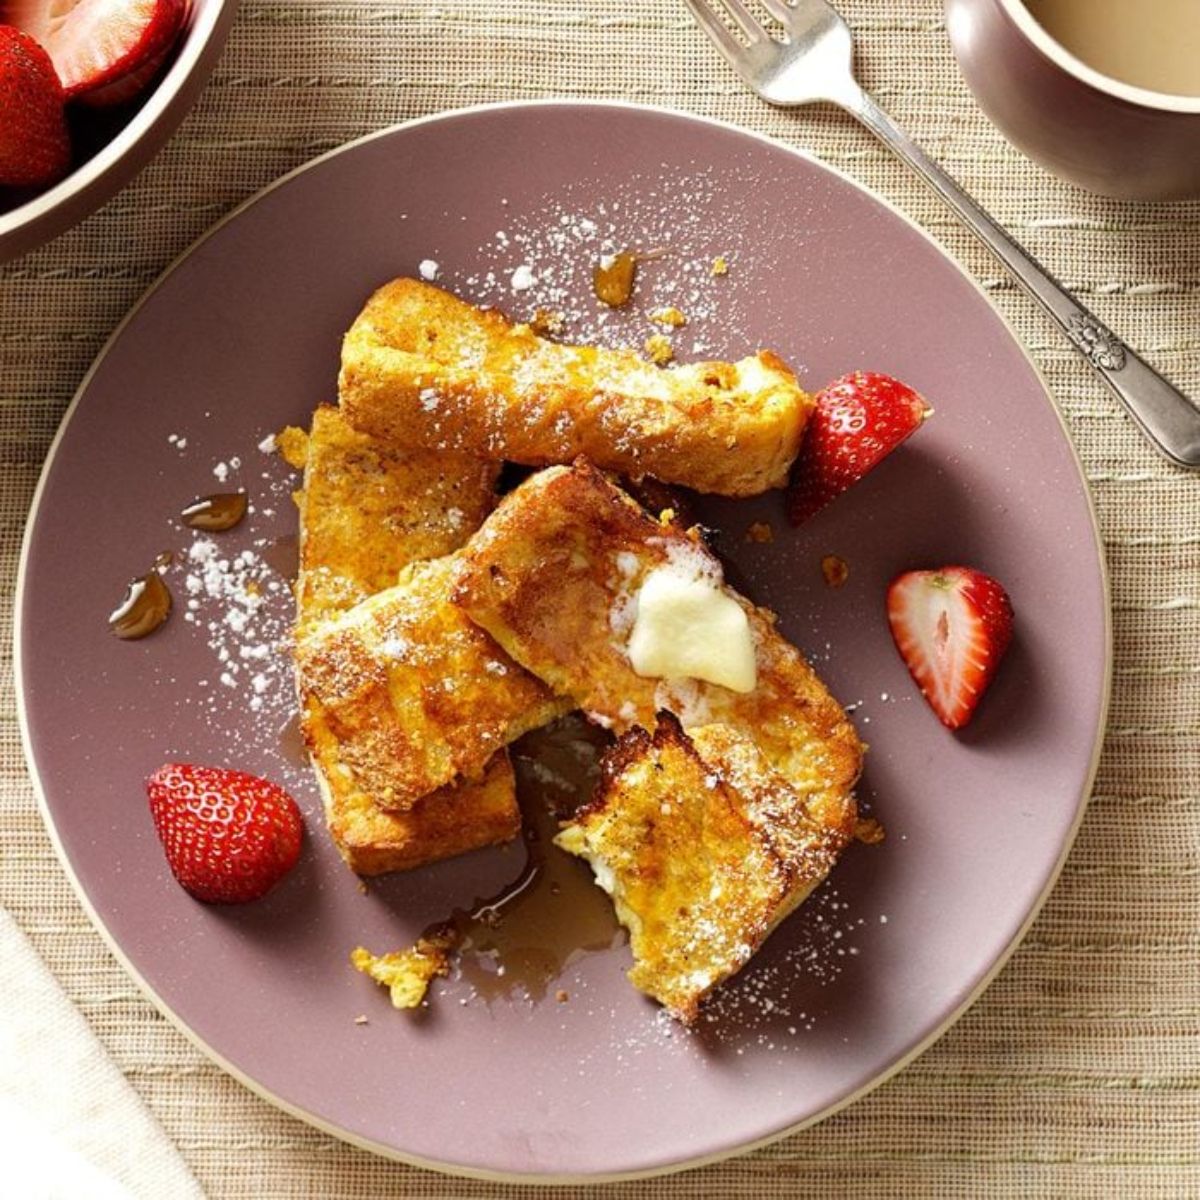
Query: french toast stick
x,y
416,694
366,511
422,367
553,575
369,508
703,854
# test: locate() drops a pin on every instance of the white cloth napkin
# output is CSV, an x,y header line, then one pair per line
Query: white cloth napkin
x,y
70,1124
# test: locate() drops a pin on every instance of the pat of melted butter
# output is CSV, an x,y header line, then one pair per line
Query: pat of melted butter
x,y
688,628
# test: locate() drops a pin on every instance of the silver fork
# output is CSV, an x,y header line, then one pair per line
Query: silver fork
x,y
807,59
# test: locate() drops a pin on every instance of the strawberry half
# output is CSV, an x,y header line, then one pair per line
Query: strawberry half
x,y
94,44
952,627
229,837
858,420
35,148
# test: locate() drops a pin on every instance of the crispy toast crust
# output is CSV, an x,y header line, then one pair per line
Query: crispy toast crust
x,y
369,508
422,366
416,694
366,511
450,821
552,575
701,870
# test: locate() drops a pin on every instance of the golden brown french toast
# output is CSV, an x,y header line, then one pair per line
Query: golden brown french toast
x,y
423,368
554,574
703,855
369,508
415,693
454,819
366,511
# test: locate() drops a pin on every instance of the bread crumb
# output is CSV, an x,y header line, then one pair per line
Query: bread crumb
x,y
669,316
869,831
547,322
835,569
720,265
361,1020
760,532
292,444
362,887
562,996
658,347
406,974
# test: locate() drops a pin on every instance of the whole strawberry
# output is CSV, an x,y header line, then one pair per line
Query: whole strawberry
x,y
35,148
229,836
858,420
952,627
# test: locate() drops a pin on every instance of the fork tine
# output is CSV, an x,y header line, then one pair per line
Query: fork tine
x,y
779,9
744,19
720,36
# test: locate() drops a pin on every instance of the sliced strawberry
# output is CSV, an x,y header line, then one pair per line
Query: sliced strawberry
x,y
859,419
94,43
129,86
229,836
952,627
35,148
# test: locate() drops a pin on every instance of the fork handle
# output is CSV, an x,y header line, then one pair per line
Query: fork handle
x,y
1166,416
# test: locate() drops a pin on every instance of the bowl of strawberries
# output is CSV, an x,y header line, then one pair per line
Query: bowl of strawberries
x,y
89,91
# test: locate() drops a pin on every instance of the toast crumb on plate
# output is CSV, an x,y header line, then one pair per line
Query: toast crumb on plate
x,y
659,349
672,317
406,974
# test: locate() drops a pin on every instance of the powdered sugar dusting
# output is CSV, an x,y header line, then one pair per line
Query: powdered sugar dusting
x,y
234,597
544,260
234,591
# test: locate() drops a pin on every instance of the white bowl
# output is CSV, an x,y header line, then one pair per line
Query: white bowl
x,y
98,179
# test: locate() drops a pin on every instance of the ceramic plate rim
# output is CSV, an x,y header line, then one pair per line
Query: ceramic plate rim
x,y
452,1169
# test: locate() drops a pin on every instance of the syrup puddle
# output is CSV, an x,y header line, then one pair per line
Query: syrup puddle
x,y
552,914
147,603
216,513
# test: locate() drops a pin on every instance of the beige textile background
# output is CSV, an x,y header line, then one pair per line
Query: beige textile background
x,y
1078,1073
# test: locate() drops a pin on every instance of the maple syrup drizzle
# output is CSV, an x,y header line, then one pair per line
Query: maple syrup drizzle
x,y
147,603
552,914
215,513
613,277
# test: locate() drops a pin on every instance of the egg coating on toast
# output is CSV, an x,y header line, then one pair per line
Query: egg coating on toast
x,y
700,866
460,817
553,575
369,508
416,694
366,511
422,367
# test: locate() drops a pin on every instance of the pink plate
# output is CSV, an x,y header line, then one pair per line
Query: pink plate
x,y
241,337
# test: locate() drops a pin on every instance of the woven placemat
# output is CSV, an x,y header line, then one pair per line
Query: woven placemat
x,y
1078,1073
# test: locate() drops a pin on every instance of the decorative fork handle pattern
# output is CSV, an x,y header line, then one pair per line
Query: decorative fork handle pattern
x,y
1164,413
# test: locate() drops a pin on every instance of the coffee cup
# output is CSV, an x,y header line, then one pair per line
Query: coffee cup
x,y
1124,121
